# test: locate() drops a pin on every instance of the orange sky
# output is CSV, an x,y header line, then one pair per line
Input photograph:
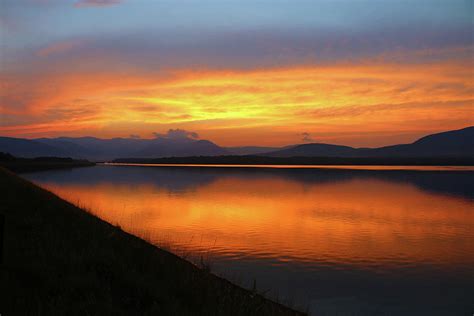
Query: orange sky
x,y
316,69
363,105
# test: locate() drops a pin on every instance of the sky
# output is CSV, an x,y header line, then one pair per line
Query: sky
x,y
237,72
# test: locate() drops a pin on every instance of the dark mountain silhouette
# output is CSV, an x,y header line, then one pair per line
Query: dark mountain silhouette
x,y
29,148
253,150
97,148
106,149
458,143
181,148
448,144
70,148
315,149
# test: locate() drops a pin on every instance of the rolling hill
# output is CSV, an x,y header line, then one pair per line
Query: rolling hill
x,y
457,143
29,148
106,149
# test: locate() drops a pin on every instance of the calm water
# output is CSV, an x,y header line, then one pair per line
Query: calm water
x,y
340,242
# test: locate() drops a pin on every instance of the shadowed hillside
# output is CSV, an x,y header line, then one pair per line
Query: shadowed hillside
x,y
29,148
106,149
458,143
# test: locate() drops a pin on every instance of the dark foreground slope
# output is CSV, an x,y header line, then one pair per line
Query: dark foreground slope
x,y
60,260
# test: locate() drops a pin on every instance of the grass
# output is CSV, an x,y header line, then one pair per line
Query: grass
x,y
61,260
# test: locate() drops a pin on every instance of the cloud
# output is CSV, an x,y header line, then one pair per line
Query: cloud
x,y
59,48
306,137
133,136
177,134
96,3
238,50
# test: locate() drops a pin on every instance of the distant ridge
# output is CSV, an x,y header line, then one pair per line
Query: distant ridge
x,y
252,150
314,150
457,143
107,149
29,148
450,144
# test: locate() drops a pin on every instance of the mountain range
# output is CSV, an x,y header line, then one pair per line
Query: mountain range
x,y
456,143
98,149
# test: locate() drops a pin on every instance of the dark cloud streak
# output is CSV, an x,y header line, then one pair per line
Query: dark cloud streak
x,y
248,50
177,134
306,137
96,3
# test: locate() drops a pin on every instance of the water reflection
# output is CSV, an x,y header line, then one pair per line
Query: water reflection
x,y
337,240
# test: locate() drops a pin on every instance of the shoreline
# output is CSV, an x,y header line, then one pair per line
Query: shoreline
x,y
19,166
281,166
302,161
60,259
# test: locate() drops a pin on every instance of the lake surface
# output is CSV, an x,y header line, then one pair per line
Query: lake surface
x,y
335,241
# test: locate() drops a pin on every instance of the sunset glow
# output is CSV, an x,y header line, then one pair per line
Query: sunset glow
x,y
81,82
237,157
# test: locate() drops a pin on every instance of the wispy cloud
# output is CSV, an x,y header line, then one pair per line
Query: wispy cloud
x,y
96,3
59,47
306,137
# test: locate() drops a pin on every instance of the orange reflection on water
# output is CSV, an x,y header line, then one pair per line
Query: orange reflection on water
x,y
362,221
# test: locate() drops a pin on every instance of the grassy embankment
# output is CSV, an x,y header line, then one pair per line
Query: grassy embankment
x,y
61,260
